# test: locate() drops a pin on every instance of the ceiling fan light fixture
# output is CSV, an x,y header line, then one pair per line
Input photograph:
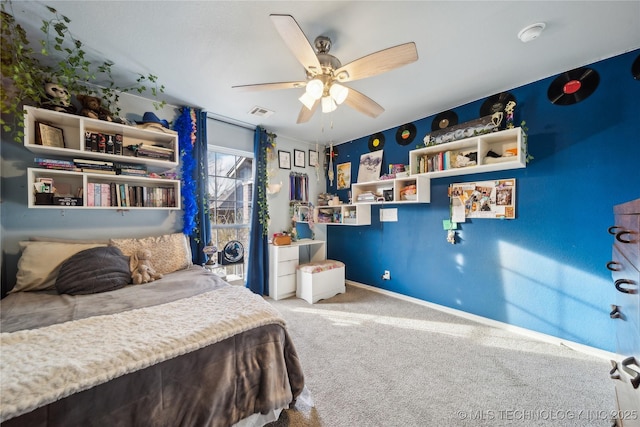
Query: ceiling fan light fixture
x,y
315,88
328,104
338,93
307,100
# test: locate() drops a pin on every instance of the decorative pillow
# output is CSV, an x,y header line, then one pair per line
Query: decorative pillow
x,y
40,262
94,270
169,253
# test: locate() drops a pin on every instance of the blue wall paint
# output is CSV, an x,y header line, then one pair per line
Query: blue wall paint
x,y
545,270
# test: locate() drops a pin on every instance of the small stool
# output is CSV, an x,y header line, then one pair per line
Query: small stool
x,y
320,280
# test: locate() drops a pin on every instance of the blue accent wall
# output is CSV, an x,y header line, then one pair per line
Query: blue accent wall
x,y
545,270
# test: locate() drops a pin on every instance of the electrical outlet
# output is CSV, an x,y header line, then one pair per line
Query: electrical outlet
x,y
386,275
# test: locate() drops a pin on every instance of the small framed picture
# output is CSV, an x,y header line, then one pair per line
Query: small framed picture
x,y
313,158
284,159
298,158
48,135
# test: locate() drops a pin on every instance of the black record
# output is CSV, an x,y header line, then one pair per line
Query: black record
x,y
376,142
444,120
406,133
573,86
496,103
635,68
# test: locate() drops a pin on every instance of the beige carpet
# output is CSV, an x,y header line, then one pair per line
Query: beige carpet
x,y
374,360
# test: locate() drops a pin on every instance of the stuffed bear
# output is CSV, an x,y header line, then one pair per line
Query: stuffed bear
x,y
92,108
141,269
57,98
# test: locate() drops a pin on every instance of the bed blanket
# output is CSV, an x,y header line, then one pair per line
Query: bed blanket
x,y
40,366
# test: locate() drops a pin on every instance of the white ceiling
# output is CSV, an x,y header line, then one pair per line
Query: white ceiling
x,y
468,50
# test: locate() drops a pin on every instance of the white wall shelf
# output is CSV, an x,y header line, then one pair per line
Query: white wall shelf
x,y
397,188
158,193
343,215
507,143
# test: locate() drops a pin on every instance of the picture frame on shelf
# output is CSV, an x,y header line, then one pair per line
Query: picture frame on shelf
x,y
50,136
284,159
313,158
298,158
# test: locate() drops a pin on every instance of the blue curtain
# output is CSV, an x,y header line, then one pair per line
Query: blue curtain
x,y
257,277
191,126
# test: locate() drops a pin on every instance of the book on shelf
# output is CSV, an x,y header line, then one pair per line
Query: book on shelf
x,y
100,171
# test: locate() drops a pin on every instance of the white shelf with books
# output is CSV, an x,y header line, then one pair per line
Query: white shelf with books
x,y
409,189
57,189
53,133
490,152
343,214
92,157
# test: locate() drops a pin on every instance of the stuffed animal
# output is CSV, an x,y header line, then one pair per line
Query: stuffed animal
x,y
92,108
141,269
57,98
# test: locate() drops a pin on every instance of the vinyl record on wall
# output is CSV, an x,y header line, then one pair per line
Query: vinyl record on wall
x,y
496,103
635,68
444,120
406,133
573,86
376,141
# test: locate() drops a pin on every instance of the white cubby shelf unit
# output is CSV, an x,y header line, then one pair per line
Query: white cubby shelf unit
x,y
343,214
508,144
397,186
74,128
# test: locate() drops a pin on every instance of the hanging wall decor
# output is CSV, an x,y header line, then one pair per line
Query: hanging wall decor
x,y
406,134
370,166
444,120
483,199
573,86
344,176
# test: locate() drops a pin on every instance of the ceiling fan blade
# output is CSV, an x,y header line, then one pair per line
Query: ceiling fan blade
x,y
269,86
363,103
378,62
293,36
306,114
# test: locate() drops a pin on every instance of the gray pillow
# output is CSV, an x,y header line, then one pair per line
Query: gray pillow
x,y
94,270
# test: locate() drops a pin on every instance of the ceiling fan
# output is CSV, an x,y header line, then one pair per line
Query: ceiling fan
x,y
325,73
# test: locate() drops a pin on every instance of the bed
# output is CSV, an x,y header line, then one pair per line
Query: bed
x,y
188,349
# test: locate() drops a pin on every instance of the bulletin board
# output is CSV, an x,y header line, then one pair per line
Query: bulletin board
x,y
483,199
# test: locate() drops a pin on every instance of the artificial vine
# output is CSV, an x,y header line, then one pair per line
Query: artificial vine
x,y
262,180
61,59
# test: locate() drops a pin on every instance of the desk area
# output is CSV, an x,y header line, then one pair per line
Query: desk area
x,y
283,261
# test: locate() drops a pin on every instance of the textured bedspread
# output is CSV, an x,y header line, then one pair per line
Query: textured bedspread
x,y
250,370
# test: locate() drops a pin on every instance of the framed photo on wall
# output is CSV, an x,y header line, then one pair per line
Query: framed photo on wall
x,y
48,135
298,158
284,159
313,158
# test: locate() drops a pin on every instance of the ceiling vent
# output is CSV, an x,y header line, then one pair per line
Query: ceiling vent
x,y
260,112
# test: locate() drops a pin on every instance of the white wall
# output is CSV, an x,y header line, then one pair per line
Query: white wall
x,y
279,202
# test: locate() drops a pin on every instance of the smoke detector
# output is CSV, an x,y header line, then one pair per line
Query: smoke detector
x,y
531,32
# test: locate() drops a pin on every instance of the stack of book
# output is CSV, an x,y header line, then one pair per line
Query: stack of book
x,y
367,196
130,169
95,166
155,152
67,165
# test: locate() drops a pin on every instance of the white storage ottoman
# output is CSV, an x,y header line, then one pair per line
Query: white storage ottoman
x,y
320,280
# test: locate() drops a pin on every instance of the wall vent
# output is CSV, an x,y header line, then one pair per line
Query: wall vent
x,y
260,112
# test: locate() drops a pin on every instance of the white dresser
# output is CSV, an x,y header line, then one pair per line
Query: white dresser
x,y
283,261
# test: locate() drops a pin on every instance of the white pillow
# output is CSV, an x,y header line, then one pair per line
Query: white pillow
x,y
40,262
169,252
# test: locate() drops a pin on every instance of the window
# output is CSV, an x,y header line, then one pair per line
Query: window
x,y
230,194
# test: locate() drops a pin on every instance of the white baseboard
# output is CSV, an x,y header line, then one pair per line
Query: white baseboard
x,y
593,351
